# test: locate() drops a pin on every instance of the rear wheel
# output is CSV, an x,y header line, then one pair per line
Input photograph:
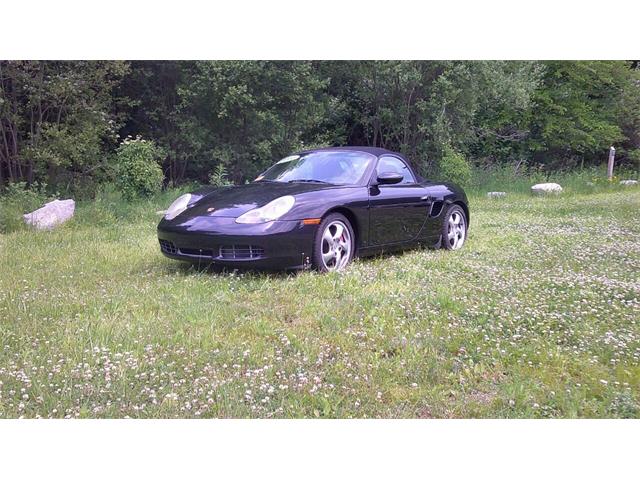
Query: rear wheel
x,y
334,243
454,228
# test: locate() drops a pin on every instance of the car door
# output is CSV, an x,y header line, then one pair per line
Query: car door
x,y
396,212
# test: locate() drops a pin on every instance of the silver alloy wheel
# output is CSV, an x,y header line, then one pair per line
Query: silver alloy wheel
x,y
456,230
336,246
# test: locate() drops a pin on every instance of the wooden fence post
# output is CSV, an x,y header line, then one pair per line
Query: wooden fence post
x,y
612,156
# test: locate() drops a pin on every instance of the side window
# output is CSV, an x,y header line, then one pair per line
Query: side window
x,y
395,165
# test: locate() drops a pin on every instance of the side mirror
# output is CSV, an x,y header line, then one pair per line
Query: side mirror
x,y
389,178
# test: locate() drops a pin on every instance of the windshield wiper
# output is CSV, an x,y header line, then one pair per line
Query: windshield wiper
x,y
309,180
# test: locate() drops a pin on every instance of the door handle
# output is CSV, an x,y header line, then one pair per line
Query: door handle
x,y
427,198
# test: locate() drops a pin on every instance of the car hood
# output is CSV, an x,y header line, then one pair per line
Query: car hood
x,y
236,200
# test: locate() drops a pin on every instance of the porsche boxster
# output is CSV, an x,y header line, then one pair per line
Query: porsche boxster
x,y
317,208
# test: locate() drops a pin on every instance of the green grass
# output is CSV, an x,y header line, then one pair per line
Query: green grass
x,y
538,316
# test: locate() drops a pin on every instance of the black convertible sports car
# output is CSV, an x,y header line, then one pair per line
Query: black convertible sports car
x,y
316,208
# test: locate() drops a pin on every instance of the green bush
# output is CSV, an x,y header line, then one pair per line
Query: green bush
x,y
18,199
219,177
453,167
137,171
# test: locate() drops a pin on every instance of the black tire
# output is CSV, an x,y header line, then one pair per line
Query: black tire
x,y
459,233
332,220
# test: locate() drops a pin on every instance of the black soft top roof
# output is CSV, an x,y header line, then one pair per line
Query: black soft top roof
x,y
372,150
378,152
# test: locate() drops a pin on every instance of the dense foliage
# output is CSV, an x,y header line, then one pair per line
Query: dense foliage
x,y
137,170
454,167
58,120
61,122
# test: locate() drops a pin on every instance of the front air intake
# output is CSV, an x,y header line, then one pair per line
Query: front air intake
x,y
238,252
168,247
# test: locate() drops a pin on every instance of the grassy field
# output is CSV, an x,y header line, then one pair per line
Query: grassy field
x,y
538,316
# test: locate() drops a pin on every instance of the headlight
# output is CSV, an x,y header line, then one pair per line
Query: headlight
x,y
271,211
179,205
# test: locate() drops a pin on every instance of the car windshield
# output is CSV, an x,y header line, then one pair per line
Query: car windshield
x,y
337,168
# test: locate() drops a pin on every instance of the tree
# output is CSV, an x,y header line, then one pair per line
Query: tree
x,y
577,111
57,119
151,88
60,121
421,107
245,114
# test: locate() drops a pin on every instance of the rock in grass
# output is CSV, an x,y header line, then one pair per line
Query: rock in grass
x,y
546,188
51,215
496,194
628,183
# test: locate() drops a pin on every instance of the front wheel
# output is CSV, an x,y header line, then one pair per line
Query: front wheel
x,y
454,228
334,243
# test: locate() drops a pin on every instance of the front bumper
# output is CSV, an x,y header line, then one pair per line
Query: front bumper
x,y
221,241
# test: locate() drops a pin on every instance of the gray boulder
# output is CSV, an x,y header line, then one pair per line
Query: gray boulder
x,y
496,194
546,188
628,183
51,215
